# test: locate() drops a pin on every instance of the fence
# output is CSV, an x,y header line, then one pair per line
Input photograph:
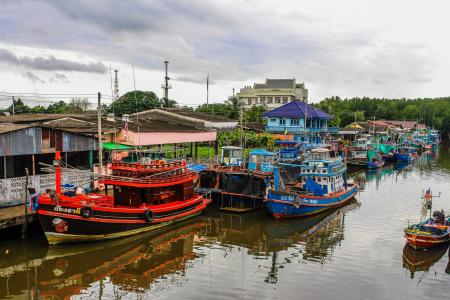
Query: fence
x,y
12,190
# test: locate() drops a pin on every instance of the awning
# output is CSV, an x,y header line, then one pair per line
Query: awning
x,y
114,146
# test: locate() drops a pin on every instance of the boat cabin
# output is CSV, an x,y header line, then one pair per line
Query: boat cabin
x,y
289,150
137,185
231,156
322,174
261,160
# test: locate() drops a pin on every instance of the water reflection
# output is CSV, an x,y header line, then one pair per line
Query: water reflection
x,y
422,260
35,270
254,254
131,264
313,238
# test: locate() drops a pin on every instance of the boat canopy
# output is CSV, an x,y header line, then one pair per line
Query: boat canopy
x,y
262,152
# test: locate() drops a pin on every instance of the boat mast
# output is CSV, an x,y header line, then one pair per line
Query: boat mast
x,y
100,144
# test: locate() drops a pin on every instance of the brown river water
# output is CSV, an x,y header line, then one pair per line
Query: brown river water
x,y
355,252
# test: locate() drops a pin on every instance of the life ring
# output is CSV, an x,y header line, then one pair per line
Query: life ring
x,y
86,212
148,215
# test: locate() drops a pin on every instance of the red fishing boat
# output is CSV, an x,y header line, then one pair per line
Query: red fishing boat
x,y
144,196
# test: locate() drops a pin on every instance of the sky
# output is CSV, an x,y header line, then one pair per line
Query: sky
x,y
349,48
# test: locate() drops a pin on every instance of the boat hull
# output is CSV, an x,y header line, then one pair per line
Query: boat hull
x,y
66,226
289,205
419,240
375,164
403,157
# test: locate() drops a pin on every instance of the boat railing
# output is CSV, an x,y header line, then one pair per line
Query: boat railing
x,y
146,180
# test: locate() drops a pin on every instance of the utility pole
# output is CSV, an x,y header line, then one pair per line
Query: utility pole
x,y
166,86
100,143
241,115
233,92
13,105
207,89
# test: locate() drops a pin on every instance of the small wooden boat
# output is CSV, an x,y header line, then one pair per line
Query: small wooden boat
x,y
431,232
147,196
423,235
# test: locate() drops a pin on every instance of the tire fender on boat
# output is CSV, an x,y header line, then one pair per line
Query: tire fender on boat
x,y
86,212
148,215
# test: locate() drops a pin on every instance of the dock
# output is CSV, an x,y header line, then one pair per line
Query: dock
x,y
14,216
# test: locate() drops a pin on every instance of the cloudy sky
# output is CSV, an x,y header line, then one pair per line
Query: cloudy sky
x,y
346,48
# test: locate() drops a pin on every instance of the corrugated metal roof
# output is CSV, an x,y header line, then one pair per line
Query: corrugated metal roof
x,y
187,113
12,127
26,118
297,109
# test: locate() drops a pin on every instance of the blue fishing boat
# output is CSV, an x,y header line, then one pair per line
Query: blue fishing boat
x,y
289,151
261,160
322,185
403,157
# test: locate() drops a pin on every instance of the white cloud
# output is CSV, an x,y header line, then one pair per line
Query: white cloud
x,y
346,48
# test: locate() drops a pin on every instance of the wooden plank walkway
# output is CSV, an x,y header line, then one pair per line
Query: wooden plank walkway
x,y
14,216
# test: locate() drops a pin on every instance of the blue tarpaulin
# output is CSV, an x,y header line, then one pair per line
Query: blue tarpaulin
x,y
313,187
196,167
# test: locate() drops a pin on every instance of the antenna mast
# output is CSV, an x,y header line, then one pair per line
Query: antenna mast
x,y
116,86
166,85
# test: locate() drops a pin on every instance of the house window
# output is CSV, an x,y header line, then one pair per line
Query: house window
x,y
277,99
273,120
249,101
269,100
282,122
294,122
262,100
285,99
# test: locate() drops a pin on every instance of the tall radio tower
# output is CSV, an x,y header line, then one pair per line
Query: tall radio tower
x,y
116,85
166,86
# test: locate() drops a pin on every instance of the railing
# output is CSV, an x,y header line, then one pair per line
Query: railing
x,y
292,129
12,190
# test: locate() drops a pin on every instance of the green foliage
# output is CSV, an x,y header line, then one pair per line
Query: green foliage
x,y
218,109
433,112
57,108
38,109
18,107
254,114
77,106
134,101
249,138
231,108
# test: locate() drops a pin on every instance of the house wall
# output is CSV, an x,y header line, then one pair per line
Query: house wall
x,y
21,142
301,122
36,140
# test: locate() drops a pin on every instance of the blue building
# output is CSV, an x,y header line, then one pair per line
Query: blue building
x,y
298,118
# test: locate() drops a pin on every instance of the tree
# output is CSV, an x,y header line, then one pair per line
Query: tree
x,y
216,109
136,101
167,103
77,106
254,114
18,107
57,108
234,106
39,109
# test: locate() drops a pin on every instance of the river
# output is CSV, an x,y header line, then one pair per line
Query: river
x,y
355,252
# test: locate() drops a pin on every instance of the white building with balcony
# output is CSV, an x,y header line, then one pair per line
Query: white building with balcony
x,y
273,93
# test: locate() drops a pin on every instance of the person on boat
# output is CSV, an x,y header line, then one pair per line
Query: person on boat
x,y
79,190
